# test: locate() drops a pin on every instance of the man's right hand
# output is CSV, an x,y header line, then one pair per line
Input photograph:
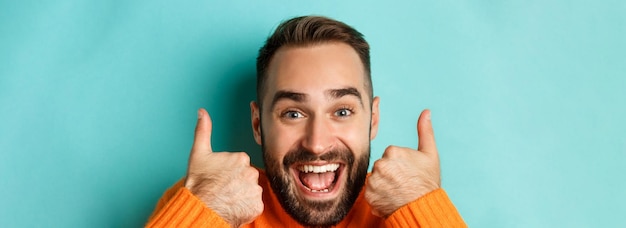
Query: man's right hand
x,y
225,182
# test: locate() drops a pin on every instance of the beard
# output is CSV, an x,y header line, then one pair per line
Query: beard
x,y
316,213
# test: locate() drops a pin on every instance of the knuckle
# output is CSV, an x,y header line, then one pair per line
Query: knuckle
x,y
379,166
368,196
243,158
258,204
259,189
369,185
252,173
376,213
259,208
391,151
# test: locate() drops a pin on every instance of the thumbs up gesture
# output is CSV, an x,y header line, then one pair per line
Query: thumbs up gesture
x,y
403,174
225,182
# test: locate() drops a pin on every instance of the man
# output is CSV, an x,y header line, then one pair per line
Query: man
x,y
314,118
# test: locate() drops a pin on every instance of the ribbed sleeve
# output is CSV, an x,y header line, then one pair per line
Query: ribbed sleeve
x,y
431,210
186,210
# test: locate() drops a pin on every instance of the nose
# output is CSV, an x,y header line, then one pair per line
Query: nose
x,y
319,135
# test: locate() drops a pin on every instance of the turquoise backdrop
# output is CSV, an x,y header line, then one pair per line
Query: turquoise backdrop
x,y
98,101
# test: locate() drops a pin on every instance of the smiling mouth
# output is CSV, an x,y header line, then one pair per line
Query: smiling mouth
x,y
318,178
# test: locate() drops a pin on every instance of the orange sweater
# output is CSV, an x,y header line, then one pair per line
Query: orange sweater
x,y
178,207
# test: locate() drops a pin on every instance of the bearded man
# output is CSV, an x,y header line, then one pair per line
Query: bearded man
x,y
314,117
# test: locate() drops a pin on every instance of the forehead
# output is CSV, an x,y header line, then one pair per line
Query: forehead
x,y
314,69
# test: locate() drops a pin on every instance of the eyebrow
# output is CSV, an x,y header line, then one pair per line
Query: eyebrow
x,y
301,97
339,93
288,95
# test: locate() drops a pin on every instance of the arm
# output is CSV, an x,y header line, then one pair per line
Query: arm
x,y
220,189
178,207
405,185
431,210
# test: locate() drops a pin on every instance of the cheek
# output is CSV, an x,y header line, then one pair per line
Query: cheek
x,y
355,136
278,139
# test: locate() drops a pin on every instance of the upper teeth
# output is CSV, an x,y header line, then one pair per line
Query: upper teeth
x,y
318,168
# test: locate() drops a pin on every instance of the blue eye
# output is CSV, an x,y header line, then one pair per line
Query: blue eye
x,y
344,112
292,115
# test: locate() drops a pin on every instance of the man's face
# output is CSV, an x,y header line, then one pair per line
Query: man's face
x,y
315,128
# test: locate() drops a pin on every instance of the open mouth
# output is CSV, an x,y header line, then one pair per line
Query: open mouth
x,y
318,179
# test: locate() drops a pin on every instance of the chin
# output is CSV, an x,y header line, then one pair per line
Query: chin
x,y
320,191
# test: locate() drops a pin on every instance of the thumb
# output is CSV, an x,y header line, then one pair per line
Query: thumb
x,y
425,134
202,137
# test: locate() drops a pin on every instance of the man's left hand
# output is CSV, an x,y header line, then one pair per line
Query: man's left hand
x,y
403,174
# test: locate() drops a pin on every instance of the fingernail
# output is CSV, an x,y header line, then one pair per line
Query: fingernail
x,y
428,116
199,114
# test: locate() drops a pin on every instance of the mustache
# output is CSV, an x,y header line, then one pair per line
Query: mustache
x,y
302,155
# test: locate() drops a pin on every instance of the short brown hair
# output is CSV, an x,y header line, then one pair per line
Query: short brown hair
x,y
311,30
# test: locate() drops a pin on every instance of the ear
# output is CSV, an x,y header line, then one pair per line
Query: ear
x,y
375,118
255,114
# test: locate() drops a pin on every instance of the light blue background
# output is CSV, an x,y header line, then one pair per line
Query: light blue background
x,y
98,101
